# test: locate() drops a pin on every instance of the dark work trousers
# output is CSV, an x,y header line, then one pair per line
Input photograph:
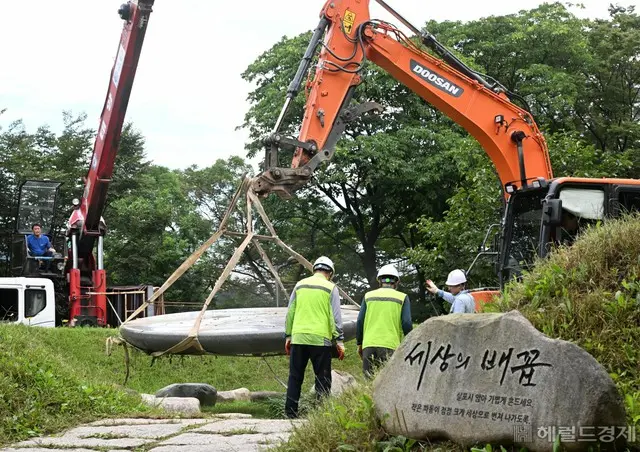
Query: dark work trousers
x,y
321,360
373,357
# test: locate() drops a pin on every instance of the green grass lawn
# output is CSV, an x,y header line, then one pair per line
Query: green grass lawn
x,y
54,378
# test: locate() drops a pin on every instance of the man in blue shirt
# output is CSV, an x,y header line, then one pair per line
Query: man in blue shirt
x,y
461,300
39,245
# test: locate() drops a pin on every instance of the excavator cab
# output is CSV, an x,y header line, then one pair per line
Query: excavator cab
x,y
37,204
539,219
521,235
549,214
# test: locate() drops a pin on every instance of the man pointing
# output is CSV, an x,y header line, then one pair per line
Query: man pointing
x,y
461,300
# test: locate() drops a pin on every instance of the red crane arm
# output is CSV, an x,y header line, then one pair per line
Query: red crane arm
x,y
507,133
87,217
87,279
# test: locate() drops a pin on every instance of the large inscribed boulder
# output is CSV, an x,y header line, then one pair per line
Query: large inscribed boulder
x,y
493,378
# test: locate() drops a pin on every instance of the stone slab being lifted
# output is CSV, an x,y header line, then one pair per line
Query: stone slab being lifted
x,y
242,331
493,378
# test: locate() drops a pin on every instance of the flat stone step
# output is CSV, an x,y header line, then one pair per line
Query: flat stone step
x,y
223,432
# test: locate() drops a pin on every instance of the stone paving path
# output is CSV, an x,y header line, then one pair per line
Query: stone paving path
x,y
225,432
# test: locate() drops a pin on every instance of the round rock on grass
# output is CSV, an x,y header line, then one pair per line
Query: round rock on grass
x,y
207,394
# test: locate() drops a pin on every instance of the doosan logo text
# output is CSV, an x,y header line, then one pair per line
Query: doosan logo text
x,y
436,80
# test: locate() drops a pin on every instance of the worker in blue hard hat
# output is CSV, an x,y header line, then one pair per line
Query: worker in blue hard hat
x,y
314,323
461,300
383,321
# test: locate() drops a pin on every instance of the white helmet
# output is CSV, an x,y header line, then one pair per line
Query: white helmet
x,y
324,263
388,270
455,278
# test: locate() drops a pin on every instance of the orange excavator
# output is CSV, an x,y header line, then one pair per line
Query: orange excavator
x,y
540,210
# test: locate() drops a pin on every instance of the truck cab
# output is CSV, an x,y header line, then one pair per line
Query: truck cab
x,y
29,301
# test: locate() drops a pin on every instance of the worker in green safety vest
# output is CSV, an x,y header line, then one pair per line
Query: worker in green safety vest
x,y
313,324
383,321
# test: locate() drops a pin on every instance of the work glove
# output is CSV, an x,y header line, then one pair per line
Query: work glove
x,y
340,347
287,346
360,351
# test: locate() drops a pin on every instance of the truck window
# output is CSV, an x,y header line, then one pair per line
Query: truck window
x,y
35,300
584,203
8,305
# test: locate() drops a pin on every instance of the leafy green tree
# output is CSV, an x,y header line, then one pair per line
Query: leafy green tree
x,y
130,165
609,106
211,189
539,54
387,171
453,240
579,77
152,230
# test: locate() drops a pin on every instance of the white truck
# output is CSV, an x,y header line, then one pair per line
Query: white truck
x,y
30,301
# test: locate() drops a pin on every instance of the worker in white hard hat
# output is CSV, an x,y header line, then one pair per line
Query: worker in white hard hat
x,y
313,325
384,320
461,300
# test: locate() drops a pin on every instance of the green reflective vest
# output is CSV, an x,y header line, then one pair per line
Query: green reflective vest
x,y
313,313
382,321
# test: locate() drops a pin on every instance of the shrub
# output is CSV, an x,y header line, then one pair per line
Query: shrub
x,y
346,422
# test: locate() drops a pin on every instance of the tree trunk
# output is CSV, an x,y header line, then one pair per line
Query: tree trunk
x,y
369,263
422,290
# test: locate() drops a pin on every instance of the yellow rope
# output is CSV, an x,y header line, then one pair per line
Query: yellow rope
x,y
191,344
113,340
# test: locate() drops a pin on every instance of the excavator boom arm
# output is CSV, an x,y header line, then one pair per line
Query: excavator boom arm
x,y
507,133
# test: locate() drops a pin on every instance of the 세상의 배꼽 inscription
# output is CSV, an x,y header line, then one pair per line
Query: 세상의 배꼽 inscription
x,y
493,378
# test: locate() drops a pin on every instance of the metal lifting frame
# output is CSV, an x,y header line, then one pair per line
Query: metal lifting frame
x,y
250,238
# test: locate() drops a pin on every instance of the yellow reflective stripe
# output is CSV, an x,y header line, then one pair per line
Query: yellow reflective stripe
x,y
316,281
385,294
395,300
309,286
